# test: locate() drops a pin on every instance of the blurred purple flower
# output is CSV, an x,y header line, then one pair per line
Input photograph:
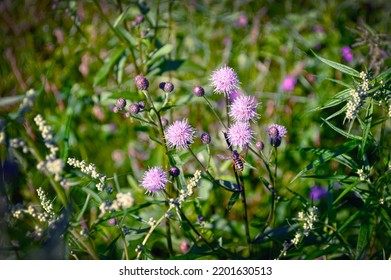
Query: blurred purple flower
x,y
318,28
318,192
154,180
224,80
244,109
346,54
241,21
240,134
289,82
179,134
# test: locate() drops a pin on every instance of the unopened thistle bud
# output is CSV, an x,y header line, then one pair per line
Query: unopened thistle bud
x,y
164,121
115,109
198,91
134,108
141,104
166,87
141,82
121,102
205,138
174,171
259,145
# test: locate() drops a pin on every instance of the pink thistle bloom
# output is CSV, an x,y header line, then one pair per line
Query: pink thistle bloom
x,y
289,83
154,180
244,109
180,134
240,134
224,80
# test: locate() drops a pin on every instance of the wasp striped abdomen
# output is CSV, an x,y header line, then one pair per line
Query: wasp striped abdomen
x,y
237,161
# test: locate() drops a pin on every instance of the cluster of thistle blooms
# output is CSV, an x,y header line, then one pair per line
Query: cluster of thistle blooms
x,y
357,97
47,216
242,111
90,170
306,222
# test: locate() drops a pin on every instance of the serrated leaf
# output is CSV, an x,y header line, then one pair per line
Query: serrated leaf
x,y
336,100
343,68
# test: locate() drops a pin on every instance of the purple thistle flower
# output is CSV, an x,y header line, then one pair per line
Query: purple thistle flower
x,y
154,180
318,192
289,82
180,134
244,109
240,134
224,80
276,132
346,54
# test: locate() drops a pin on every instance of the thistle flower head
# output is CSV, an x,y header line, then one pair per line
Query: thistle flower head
x,y
166,86
121,102
154,180
244,109
179,134
224,80
240,134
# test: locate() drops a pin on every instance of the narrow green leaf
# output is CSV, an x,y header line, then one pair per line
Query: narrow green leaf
x,y
108,64
166,49
234,197
342,132
67,132
340,97
343,68
265,182
363,238
229,186
345,191
11,100
326,155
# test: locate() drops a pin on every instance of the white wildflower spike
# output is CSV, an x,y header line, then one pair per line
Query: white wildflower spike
x,y
89,170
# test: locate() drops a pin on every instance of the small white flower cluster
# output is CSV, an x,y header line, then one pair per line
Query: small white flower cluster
x,y
152,222
46,204
2,137
389,110
90,170
307,220
184,194
27,102
361,174
123,200
19,143
51,164
357,97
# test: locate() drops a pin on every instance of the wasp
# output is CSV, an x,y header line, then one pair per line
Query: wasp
x,y
237,160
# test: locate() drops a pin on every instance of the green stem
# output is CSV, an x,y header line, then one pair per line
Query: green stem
x,y
118,35
214,112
